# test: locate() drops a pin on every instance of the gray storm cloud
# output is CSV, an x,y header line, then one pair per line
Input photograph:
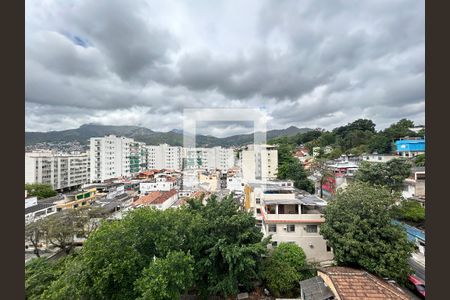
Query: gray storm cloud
x,y
308,63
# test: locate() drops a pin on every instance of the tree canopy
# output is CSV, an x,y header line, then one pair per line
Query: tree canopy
x,y
291,168
217,246
284,269
358,226
40,190
390,174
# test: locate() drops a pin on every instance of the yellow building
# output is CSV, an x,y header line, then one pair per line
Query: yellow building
x,y
77,199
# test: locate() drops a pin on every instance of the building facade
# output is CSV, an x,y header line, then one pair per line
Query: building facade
x,y
259,162
109,157
410,147
289,216
164,157
61,171
208,158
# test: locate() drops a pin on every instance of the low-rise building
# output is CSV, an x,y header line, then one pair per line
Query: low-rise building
x,y
159,200
37,209
414,185
289,215
342,283
77,199
410,147
381,158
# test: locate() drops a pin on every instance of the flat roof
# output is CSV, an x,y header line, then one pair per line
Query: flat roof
x,y
39,206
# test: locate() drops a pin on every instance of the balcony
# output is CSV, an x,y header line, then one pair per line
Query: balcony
x,y
290,213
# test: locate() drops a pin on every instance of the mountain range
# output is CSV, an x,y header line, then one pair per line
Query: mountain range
x,y
150,137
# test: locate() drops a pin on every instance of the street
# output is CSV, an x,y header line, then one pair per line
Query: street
x,y
418,268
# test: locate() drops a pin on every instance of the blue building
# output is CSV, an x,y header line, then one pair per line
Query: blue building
x,y
409,148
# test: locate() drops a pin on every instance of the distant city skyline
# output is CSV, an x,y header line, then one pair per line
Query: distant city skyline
x,y
307,64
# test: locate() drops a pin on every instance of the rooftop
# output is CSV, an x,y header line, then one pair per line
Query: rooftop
x,y
315,289
354,284
38,207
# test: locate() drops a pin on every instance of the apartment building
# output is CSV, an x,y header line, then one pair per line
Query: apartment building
x,y
290,216
61,171
164,157
110,157
208,158
260,162
138,157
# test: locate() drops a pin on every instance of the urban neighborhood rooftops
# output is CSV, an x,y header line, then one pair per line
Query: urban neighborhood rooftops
x,y
354,284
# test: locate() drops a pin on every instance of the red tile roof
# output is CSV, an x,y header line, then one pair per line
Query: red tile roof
x,y
164,197
354,284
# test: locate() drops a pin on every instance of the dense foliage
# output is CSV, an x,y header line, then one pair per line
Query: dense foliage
x,y
290,167
390,174
284,269
354,138
411,211
40,190
212,249
358,226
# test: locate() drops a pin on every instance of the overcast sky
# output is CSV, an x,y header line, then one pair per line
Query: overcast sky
x,y
304,63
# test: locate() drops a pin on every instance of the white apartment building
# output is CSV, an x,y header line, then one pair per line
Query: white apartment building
x,y
208,158
289,216
61,171
110,157
165,157
260,162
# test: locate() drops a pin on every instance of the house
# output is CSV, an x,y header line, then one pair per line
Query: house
x,y
77,199
410,147
289,215
348,284
38,209
414,185
158,199
383,158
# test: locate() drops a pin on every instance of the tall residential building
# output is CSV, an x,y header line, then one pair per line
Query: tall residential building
x,y
208,158
138,157
61,171
260,162
110,157
164,157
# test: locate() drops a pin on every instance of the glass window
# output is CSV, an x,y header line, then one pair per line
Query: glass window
x,y
290,228
311,228
272,228
274,243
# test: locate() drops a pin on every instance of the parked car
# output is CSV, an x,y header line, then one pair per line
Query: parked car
x,y
417,285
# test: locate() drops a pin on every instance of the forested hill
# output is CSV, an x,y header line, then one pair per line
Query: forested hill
x,y
150,137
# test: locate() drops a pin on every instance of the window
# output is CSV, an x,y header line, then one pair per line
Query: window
x,y
272,228
274,243
380,158
290,228
328,248
311,228
258,211
258,200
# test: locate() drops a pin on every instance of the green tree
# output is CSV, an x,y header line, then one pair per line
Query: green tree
x,y
411,211
320,168
34,233
39,274
290,167
380,144
419,160
390,174
400,129
284,269
39,190
166,278
358,226
223,241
